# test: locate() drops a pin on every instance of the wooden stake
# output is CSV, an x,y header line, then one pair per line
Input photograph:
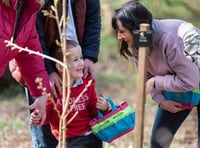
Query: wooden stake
x,y
64,47
141,91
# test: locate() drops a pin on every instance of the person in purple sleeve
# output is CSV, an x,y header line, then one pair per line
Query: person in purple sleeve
x,y
168,69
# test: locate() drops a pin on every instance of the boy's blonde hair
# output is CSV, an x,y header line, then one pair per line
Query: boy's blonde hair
x,y
57,52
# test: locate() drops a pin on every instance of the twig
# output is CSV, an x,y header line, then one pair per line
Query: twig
x,y
55,108
49,96
89,83
15,46
68,122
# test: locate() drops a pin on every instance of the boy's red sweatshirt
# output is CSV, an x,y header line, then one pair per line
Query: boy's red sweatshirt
x,y
86,108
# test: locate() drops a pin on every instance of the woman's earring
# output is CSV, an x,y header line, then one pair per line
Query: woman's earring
x,y
69,66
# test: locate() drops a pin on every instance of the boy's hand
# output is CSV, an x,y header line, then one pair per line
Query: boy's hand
x,y
40,106
34,119
103,104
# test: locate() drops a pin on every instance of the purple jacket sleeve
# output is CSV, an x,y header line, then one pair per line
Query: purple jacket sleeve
x,y
184,75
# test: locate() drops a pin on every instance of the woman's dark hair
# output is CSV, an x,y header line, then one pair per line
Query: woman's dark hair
x,y
131,15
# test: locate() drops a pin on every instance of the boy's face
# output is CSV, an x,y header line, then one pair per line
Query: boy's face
x,y
75,62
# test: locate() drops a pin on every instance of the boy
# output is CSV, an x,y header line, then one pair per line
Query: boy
x,y
79,134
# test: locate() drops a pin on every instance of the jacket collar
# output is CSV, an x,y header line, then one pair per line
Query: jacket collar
x,y
77,82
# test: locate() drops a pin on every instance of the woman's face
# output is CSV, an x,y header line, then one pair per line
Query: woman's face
x,y
124,34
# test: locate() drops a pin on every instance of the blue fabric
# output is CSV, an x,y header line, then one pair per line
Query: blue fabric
x,y
42,137
91,40
111,132
46,1
183,97
118,128
166,125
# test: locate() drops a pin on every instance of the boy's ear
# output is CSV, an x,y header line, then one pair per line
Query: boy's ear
x,y
59,67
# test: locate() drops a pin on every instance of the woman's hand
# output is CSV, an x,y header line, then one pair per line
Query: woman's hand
x,y
171,106
103,104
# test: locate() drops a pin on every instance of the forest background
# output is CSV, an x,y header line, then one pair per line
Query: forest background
x,y
116,78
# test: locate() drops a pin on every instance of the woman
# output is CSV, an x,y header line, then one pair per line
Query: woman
x,y
168,69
